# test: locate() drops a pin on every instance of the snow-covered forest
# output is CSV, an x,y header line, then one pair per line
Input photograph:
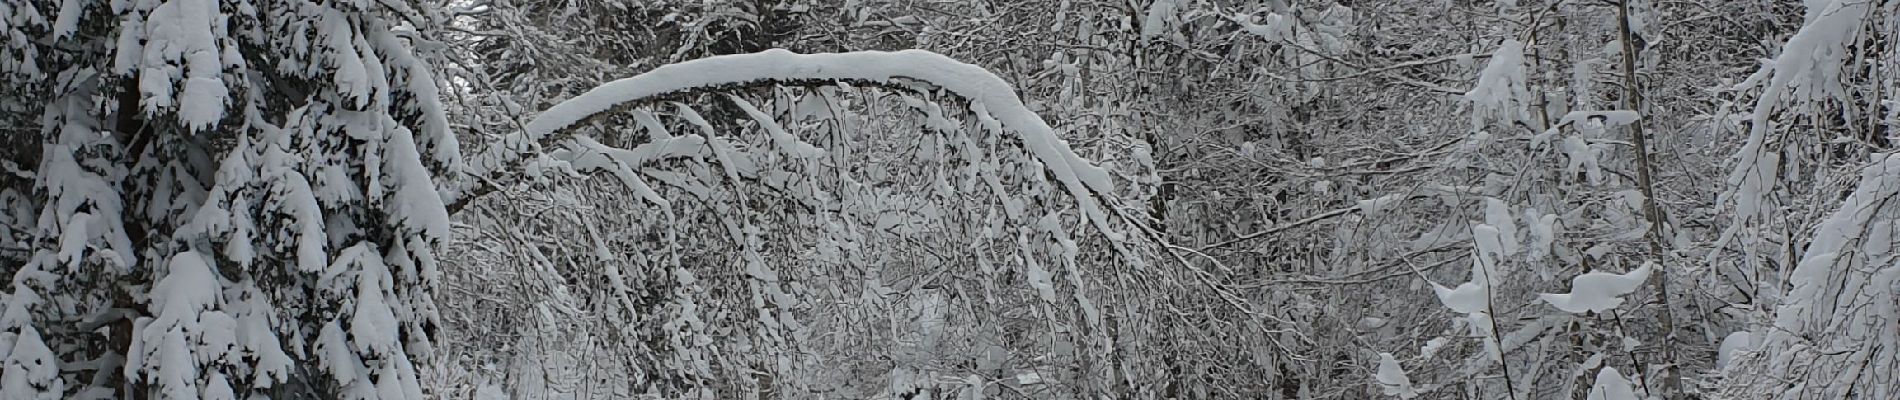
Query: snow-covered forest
x,y
949,199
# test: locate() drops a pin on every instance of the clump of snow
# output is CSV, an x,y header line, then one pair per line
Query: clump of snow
x,y
168,346
78,195
180,41
490,391
1582,158
296,197
1469,297
1498,214
1611,385
415,198
30,368
1432,347
1501,91
1160,15
1039,278
1732,346
1392,379
1598,291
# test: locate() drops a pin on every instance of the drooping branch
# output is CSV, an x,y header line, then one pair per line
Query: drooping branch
x,y
988,93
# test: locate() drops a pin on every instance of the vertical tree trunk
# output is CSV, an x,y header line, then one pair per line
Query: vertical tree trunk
x,y
1672,382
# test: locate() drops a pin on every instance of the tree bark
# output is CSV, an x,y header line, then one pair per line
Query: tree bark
x,y
1632,101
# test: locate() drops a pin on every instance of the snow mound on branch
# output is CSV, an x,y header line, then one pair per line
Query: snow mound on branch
x,y
1159,16
1732,346
1598,291
1497,215
1467,298
1809,69
1611,385
1501,91
1474,296
1392,379
988,93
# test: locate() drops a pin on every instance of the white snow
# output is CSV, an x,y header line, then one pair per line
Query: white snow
x,y
1732,346
184,32
1490,243
1501,91
490,391
1543,233
30,369
1598,291
988,93
1469,297
188,287
1160,14
168,346
67,20
434,134
651,124
1810,64
1824,276
1607,119
71,186
333,353
416,201
1840,301
1276,28
349,73
1392,379
293,194
1431,347
256,337
1611,385
1582,157
1498,214
72,241
1039,277
373,326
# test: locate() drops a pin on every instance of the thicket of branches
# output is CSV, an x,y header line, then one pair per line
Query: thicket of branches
x,y
1140,199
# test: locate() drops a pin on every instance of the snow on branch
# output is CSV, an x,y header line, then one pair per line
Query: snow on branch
x,y
985,90
1598,291
1832,332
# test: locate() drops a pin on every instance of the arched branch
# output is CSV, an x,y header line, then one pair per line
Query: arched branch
x,y
987,93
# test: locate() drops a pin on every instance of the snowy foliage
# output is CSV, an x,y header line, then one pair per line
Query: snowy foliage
x,y
708,199
1839,312
991,178
223,187
1501,94
1320,163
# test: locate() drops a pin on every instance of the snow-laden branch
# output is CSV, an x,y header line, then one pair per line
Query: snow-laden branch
x,y
985,90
